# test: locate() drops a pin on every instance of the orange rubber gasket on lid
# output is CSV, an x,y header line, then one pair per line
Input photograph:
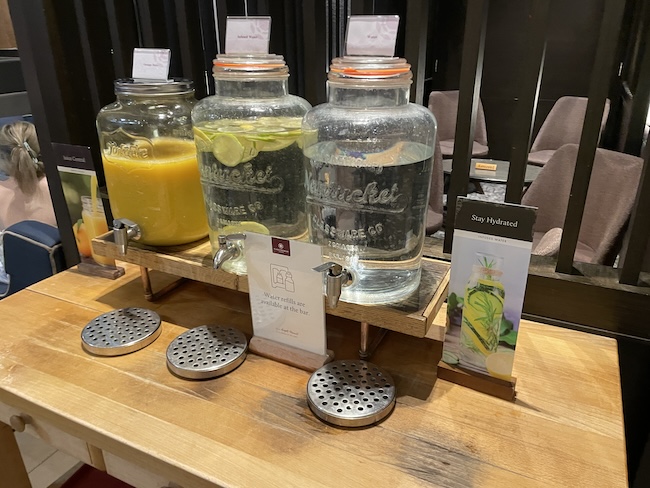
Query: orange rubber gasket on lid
x,y
371,72
244,65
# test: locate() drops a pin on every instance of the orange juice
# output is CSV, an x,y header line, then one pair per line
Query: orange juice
x,y
160,191
95,224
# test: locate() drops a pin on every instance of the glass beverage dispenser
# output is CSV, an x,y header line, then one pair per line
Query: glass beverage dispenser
x,y
248,139
368,175
150,163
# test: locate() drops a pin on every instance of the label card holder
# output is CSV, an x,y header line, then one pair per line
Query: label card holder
x,y
371,35
248,35
151,64
286,298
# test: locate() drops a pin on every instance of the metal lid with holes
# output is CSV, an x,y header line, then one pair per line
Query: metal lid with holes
x,y
351,393
206,352
121,331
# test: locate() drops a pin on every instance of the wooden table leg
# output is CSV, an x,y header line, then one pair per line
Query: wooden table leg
x,y
12,467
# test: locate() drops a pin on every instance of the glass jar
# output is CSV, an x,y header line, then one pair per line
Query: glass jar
x,y
150,163
482,311
94,222
369,162
248,138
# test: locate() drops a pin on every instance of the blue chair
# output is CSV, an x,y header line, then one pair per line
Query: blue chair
x,y
32,251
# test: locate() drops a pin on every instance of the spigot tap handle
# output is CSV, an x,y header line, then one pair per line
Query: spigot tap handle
x,y
235,237
333,269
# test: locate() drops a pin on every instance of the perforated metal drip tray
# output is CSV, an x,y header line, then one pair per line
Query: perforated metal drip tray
x,y
351,393
206,352
121,331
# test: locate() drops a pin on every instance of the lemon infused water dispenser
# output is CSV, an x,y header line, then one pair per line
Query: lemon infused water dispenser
x,y
150,163
368,171
249,146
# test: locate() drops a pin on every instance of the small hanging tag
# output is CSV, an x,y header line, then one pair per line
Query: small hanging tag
x,y
151,64
248,35
371,35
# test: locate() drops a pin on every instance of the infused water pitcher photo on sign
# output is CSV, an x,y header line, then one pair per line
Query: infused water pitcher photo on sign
x,y
489,270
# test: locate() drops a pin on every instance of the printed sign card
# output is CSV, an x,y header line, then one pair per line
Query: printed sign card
x,y
286,295
248,35
79,182
151,64
489,269
371,35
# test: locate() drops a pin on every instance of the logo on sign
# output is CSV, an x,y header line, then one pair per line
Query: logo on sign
x,y
280,246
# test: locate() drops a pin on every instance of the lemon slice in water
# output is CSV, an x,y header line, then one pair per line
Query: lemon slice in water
x,y
202,140
245,226
499,365
227,149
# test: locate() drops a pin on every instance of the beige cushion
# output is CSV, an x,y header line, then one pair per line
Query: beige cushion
x,y
548,243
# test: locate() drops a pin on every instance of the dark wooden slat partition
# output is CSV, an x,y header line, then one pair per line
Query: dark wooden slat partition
x,y
531,77
209,42
598,90
470,87
46,100
637,123
123,31
639,230
191,45
415,49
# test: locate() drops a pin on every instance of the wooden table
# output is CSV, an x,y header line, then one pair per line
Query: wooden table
x,y
253,427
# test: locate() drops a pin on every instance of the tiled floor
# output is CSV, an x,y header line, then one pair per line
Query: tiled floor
x,y
44,463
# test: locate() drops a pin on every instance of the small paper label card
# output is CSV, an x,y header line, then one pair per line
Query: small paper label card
x,y
248,35
151,64
371,35
286,295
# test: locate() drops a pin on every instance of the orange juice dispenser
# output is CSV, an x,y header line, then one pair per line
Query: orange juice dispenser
x,y
150,165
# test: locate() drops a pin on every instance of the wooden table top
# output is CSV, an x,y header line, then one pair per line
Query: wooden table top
x,y
253,427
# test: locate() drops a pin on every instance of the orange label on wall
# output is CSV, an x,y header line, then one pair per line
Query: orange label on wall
x,y
487,166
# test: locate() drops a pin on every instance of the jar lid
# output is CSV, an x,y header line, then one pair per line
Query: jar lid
x,y
366,68
252,66
176,86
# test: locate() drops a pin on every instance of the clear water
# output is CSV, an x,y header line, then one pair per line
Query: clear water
x,y
367,209
264,193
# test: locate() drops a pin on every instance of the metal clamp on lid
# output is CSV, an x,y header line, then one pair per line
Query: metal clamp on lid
x,y
336,278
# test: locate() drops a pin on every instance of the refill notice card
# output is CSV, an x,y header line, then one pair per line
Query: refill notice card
x,y
489,269
286,295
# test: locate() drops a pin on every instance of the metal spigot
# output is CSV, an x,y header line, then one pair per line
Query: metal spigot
x,y
125,230
336,278
229,248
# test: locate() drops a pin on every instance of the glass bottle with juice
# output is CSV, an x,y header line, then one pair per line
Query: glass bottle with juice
x,y
150,161
94,222
482,311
